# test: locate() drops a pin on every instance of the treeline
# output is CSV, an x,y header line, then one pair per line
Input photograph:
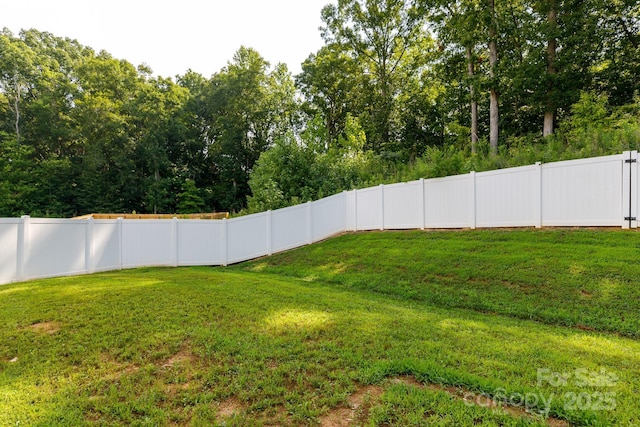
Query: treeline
x,y
401,89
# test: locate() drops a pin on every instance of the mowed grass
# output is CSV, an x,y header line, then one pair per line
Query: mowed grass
x,y
587,279
498,328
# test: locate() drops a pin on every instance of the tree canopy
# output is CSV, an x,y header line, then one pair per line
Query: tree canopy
x,y
400,89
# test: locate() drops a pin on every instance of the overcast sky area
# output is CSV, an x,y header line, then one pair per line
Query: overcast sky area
x,y
172,37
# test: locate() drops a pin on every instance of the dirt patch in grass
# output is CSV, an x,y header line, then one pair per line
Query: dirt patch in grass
x,y
338,417
586,294
360,403
228,408
48,328
554,422
585,328
172,390
184,356
277,417
115,369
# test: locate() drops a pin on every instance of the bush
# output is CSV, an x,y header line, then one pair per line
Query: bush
x,y
295,171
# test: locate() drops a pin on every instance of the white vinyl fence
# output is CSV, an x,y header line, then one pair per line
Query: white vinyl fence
x,y
600,191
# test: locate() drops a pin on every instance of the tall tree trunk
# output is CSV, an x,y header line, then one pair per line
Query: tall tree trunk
x,y
474,101
493,61
156,176
550,110
386,106
16,107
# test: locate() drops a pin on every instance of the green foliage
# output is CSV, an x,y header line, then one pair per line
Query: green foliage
x,y
594,129
294,171
387,98
330,80
388,41
189,200
247,108
591,110
101,135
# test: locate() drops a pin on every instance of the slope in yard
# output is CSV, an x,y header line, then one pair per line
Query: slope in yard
x,y
587,279
369,329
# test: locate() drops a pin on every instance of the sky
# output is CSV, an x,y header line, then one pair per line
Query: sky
x,y
172,37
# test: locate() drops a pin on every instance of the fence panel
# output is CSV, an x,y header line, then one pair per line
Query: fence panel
x,y
351,207
449,202
199,242
289,228
583,192
369,209
247,237
106,245
147,243
403,205
507,197
56,247
328,217
8,252
591,192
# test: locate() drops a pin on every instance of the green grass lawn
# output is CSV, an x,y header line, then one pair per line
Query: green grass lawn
x,y
498,328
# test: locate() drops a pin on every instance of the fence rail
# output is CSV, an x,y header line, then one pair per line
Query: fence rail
x,y
601,191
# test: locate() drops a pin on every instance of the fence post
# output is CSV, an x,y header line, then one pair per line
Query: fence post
x,y
355,209
174,241
89,266
269,233
474,201
345,194
422,205
634,189
381,206
23,247
629,189
309,224
120,243
537,205
626,191
225,247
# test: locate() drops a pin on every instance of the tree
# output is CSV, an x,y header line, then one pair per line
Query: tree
x,y
618,36
459,24
247,108
378,34
297,170
194,124
158,137
49,124
108,180
330,80
550,109
494,119
189,200
17,71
